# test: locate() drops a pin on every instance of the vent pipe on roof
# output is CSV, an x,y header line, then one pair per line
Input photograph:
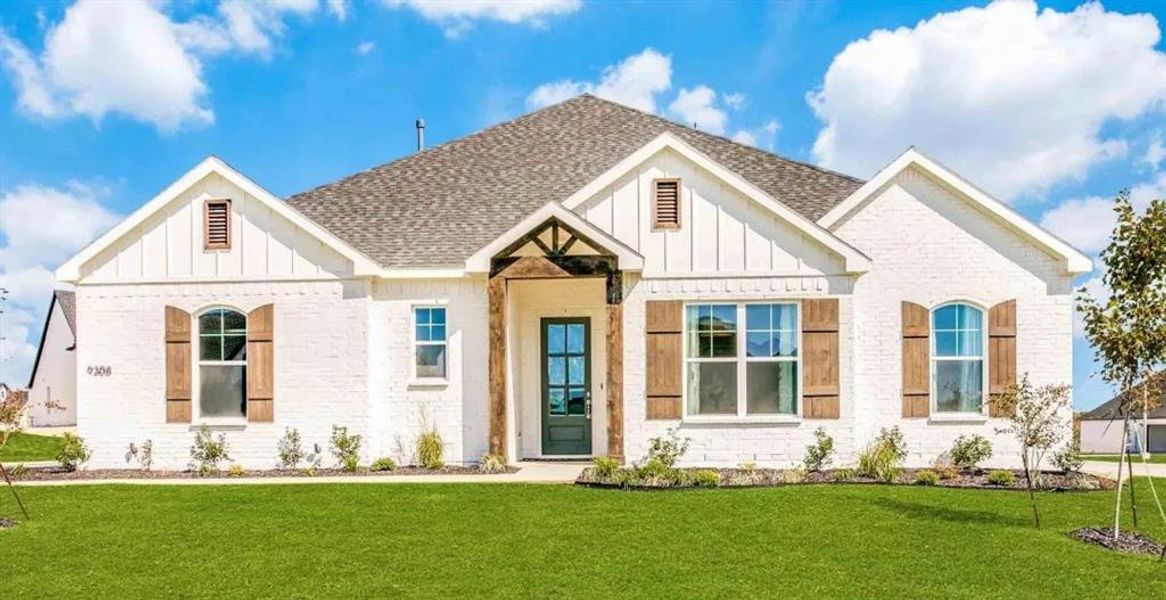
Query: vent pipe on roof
x,y
420,134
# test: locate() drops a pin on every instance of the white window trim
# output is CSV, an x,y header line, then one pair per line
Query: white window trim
x,y
742,415
414,380
962,416
196,382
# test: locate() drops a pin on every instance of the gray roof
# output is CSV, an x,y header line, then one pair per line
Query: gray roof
x,y
435,208
68,302
1111,410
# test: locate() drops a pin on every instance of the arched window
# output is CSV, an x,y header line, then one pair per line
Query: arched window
x,y
222,363
957,358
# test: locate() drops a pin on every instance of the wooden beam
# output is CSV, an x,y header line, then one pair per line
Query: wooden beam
x,y
615,382
496,294
533,267
552,267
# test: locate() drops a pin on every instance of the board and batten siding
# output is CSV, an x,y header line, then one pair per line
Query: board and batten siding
x,y
170,245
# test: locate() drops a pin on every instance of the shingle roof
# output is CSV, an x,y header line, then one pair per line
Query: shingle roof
x,y
68,302
1111,410
435,208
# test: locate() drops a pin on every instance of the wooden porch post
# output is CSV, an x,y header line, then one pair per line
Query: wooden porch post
x,y
615,365
496,294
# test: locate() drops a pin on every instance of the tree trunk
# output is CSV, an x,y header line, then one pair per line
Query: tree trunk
x,y
1028,483
12,489
1125,433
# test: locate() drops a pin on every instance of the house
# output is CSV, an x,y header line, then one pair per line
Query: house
x,y
572,283
1101,428
52,386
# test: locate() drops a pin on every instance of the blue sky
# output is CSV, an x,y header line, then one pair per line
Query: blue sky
x,y
1052,108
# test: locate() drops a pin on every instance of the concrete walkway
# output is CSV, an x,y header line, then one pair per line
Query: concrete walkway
x,y
1109,469
529,472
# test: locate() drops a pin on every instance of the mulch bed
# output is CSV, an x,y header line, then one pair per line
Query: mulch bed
x,y
1051,481
58,473
1127,541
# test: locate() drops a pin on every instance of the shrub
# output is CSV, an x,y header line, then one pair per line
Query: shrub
x,y
883,458
73,452
144,454
653,471
236,470
1068,458
605,468
746,474
431,450
819,454
1002,478
491,463
208,451
926,477
346,448
291,451
795,475
946,472
706,478
842,475
383,463
969,451
667,450
678,478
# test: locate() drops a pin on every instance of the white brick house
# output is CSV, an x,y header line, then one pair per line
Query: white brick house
x,y
571,283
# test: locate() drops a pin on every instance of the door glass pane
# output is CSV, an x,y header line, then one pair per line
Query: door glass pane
x,y
712,388
771,388
556,370
556,339
557,402
577,370
576,401
221,391
959,385
575,338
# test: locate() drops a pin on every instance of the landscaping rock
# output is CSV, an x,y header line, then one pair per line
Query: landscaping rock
x,y
1127,541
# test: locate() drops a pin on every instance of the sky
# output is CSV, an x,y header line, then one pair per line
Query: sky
x,y
1052,106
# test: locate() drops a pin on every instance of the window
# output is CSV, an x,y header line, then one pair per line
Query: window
x,y
217,225
743,375
666,203
222,363
430,343
957,358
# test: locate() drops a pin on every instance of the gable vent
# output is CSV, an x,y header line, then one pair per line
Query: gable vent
x,y
666,203
217,223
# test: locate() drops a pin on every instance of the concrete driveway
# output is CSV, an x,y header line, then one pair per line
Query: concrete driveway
x,y
1109,469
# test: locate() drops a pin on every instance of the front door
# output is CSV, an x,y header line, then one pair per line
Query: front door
x,y
566,385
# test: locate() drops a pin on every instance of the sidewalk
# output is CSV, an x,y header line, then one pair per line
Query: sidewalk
x,y
529,472
1109,469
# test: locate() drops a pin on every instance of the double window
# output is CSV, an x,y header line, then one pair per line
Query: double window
x,y
430,355
957,358
742,359
222,363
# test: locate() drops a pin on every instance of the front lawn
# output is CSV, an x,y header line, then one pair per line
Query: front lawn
x,y
465,540
27,447
1157,459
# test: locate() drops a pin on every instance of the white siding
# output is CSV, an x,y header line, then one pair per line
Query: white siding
x,y
56,376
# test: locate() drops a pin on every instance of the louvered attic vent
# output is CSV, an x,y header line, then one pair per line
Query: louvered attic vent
x,y
666,203
217,223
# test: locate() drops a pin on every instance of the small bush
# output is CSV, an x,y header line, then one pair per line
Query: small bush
x,y
605,468
926,477
73,453
668,450
969,451
1002,478
679,478
1068,458
236,470
208,451
820,453
946,472
144,454
653,471
431,450
491,463
706,478
795,475
346,448
883,458
290,450
383,463
19,471
842,475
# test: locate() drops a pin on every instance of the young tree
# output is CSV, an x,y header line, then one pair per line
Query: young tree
x,y
13,410
1039,419
1128,330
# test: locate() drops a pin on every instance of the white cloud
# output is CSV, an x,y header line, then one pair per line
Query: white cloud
x,y
365,47
735,100
1155,153
1087,222
762,137
1012,97
130,58
338,9
635,82
33,246
457,16
698,107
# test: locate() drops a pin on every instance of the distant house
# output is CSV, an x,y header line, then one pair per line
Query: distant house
x,y
52,387
1101,428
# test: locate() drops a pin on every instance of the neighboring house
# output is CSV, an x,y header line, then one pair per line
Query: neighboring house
x,y
574,282
52,387
1101,427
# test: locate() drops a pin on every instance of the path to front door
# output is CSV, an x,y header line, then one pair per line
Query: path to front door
x,y
566,386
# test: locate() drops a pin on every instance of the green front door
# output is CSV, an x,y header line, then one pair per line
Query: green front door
x,y
566,386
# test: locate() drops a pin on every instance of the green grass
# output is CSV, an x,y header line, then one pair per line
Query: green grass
x,y
30,447
538,541
1157,459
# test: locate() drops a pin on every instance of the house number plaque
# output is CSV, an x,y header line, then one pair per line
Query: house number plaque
x,y
99,370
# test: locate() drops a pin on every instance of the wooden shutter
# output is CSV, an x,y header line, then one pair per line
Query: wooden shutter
x,y
666,203
261,365
178,365
820,358
1001,353
665,358
916,360
217,225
